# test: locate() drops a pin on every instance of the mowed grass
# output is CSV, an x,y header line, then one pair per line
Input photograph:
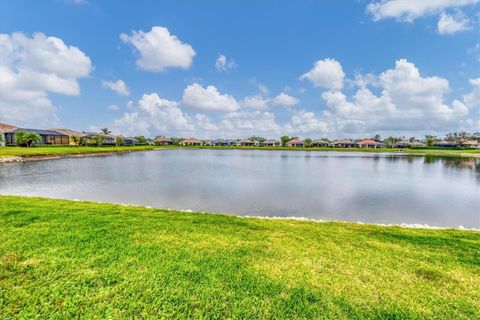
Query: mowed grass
x,y
64,259
59,151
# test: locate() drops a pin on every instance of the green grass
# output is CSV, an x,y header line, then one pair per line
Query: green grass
x,y
419,151
59,151
63,259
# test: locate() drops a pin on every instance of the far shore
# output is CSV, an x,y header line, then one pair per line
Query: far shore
x,y
18,154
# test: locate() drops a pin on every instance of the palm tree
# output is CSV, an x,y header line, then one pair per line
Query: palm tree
x,y
76,140
27,139
106,131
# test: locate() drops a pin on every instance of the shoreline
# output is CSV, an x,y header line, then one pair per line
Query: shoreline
x,y
259,217
396,152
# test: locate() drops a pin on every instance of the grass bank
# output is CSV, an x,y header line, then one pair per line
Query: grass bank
x,y
418,151
65,259
6,152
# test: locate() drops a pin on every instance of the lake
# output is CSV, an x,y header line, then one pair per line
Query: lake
x,y
339,186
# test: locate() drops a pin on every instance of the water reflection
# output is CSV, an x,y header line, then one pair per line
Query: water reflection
x,y
379,188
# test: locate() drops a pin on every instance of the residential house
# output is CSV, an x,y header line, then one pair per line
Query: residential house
x,y
207,143
409,144
4,128
163,141
49,137
369,143
295,143
343,144
472,144
70,133
130,141
271,143
246,143
191,142
108,139
320,143
447,144
220,143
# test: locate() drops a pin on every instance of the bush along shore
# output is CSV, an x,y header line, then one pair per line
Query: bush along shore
x,y
72,259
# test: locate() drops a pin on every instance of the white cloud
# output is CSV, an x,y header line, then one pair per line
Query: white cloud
x,y
113,108
256,102
154,115
208,99
30,67
408,102
284,100
224,64
307,122
118,86
409,10
159,49
449,24
248,123
327,73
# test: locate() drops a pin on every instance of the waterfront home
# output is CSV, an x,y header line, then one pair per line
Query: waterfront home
x,y
320,143
108,139
191,142
163,141
246,143
447,144
272,143
49,137
369,143
220,143
295,143
207,143
472,144
70,133
409,144
129,141
343,144
4,128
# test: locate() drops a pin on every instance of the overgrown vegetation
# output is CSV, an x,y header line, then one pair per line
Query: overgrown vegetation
x,y
65,259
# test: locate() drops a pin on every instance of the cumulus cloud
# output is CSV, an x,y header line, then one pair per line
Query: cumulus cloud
x,y
285,100
247,123
327,73
30,68
159,50
224,64
118,86
154,114
113,107
449,24
405,10
208,99
256,102
408,102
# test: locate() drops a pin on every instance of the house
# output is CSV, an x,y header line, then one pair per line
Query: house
x,y
108,139
409,144
295,143
70,133
447,144
320,143
343,144
191,142
207,143
220,143
46,136
271,143
163,141
4,128
246,143
369,143
130,141
472,144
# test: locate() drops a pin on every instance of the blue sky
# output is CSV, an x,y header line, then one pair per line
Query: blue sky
x,y
235,68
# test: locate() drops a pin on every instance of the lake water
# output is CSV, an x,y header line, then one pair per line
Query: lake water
x,y
341,186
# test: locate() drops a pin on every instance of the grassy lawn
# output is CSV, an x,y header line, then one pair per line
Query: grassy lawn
x,y
54,151
65,259
421,151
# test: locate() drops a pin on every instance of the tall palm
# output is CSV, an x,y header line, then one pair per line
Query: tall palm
x,y
106,131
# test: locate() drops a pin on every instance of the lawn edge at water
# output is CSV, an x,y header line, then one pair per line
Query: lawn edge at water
x,y
253,217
